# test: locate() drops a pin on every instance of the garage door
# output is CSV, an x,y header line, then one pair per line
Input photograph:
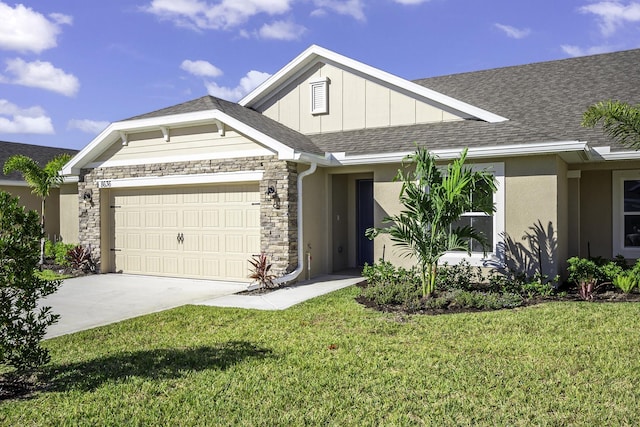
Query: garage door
x,y
207,232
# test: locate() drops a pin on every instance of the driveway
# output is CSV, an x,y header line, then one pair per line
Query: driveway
x,y
96,300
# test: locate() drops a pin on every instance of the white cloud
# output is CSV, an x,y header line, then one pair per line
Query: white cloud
x,y
41,75
14,119
613,14
282,30
200,68
226,14
353,8
249,82
26,30
572,50
513,32
88,126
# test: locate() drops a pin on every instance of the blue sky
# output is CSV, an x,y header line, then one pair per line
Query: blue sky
x,y
69,67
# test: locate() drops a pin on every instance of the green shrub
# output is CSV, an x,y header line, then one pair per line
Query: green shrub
x,y
387,284
626,282
459,276
23,323
58,252
587,274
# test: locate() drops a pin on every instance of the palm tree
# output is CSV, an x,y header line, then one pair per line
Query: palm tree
x,y
621,121
433,201
40,179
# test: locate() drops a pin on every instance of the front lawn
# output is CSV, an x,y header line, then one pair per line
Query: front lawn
x,y
331,361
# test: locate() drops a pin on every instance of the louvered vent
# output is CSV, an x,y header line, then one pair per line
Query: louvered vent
x,y
319,96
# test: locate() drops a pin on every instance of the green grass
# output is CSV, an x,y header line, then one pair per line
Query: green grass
x,y
51,275
332,362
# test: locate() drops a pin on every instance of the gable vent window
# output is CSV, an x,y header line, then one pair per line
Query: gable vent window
x,y
319,96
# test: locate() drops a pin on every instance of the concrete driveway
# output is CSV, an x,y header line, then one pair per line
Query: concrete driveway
x,y
96,300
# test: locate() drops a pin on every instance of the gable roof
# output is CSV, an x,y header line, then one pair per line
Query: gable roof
x,y
543,101
40,154
317,55
288,143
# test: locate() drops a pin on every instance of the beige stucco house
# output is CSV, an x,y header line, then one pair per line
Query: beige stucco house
x,y
54,210
301,166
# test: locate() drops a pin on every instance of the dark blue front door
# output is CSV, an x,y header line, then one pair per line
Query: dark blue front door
x,y
364,220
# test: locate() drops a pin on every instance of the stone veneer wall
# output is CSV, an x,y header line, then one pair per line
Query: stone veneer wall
x,y
279,224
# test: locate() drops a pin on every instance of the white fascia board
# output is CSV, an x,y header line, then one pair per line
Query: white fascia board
x,y
472,153
604,153
158,181
316,54
114,130
10,183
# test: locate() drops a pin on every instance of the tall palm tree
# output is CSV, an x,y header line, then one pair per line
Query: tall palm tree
x,y
40,179
433,201
621,121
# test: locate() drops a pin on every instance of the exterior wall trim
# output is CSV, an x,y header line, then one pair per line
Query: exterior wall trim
x,y
151,181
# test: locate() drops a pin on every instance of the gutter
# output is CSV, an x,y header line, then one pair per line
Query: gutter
x,y
295,273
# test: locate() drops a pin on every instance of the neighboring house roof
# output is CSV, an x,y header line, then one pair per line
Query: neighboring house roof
x,y
544,102
39,153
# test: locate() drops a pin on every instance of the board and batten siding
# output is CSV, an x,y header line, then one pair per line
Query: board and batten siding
x,y
354,103
185,142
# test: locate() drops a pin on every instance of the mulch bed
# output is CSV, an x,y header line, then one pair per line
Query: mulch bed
x,y
606,296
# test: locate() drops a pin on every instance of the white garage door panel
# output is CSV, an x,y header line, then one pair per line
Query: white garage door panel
x,y
220,225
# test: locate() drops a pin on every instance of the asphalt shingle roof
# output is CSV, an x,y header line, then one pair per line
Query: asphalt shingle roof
x,y
39,153
544,102
252,118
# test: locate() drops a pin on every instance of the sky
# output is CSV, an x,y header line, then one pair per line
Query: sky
x,y
68,68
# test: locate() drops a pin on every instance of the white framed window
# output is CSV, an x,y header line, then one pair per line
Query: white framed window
x,y
626,213
319,96
491,225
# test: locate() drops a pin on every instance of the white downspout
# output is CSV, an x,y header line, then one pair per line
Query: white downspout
x,y
295,273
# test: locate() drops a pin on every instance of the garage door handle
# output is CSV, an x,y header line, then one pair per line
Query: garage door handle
x,y
180,238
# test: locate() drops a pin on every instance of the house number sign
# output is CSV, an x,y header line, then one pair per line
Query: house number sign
x,y
104,183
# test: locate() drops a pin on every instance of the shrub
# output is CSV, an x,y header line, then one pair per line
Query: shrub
x,y
626,282
58,252
459,276
261,271
587,274
80,258
22,323
387,284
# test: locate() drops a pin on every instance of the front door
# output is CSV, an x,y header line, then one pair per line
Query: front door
x,y
364,220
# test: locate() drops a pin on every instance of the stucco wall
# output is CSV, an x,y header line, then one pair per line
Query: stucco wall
x,y
316,208
595,213
69,199
31,202
354,103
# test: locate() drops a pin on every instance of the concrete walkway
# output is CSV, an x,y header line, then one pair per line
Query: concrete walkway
x,y
91,301
288,296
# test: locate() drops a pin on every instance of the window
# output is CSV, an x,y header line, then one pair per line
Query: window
x,y
626,213
491,225
319,96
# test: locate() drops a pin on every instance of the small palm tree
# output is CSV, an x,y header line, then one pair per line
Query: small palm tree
x,y
621,121
40,179
433,201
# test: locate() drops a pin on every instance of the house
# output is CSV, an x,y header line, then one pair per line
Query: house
x,y
55,210
304,164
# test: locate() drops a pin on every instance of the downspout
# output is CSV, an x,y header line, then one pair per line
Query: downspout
x,y
295,273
